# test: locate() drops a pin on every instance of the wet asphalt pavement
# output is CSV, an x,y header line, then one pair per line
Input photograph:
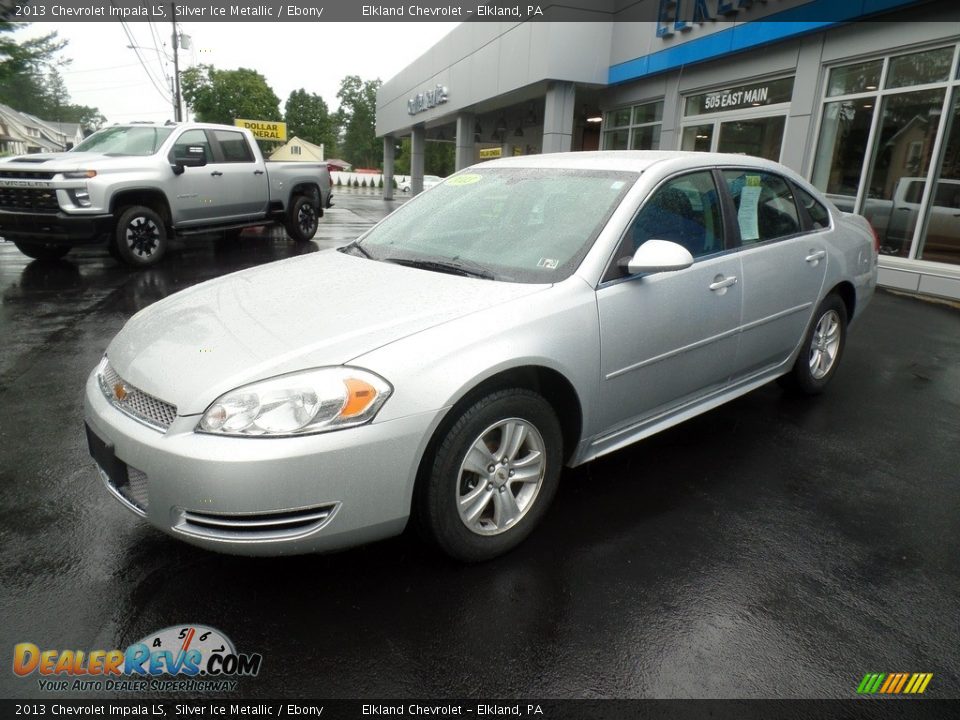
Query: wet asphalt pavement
x,y
774,547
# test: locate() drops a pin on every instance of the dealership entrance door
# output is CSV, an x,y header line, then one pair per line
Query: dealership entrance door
x,y
748,119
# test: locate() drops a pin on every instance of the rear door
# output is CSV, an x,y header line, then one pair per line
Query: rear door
x,y
670,337
783,251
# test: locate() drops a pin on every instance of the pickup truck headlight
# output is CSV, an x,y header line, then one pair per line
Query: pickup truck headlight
x,y
300,403
79,174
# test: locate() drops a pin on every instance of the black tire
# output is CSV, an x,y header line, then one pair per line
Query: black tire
x,y
41,251
447,480
302,219
140,237
815,366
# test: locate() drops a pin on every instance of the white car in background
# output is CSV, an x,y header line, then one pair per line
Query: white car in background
x,y
428,182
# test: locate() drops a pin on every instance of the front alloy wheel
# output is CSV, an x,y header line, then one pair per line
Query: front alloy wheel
x,y
141,237
493,475
500,476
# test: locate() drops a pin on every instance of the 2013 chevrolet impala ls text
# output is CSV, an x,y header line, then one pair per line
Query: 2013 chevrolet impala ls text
x,y
523,315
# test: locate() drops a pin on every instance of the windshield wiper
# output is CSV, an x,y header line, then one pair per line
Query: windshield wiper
x,y
355,245
453,267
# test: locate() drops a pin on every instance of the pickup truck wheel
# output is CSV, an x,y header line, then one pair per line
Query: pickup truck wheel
x,y
302,219
140,237
42,251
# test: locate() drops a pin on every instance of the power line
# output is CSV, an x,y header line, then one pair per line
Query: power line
x,y
146,69
111,67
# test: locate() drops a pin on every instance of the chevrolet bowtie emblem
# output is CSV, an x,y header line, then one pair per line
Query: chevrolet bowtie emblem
x,y
119,391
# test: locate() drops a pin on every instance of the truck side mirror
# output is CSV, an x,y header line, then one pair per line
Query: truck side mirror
x,y
193,156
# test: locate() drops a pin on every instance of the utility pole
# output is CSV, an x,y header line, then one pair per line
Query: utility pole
x,y
176,68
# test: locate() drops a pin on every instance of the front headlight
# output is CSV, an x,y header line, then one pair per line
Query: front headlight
x,y
300,403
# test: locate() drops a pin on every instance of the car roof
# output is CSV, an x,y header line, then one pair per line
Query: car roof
x,y
632,160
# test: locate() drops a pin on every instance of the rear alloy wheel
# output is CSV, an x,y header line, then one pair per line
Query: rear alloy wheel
x,y
41,251
140,238
822,349
302,219
493,476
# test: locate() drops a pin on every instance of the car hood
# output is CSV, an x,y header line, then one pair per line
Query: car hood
x,y
59,162
307,312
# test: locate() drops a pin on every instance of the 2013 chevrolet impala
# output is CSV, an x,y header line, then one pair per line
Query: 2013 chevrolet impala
x,y
523,315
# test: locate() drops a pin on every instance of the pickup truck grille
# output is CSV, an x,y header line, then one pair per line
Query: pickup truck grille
x,y
30,199
26,175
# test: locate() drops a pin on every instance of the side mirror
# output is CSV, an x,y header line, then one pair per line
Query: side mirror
x,y
194,156
656,256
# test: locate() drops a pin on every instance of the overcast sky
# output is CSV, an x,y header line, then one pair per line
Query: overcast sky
x,y
106,74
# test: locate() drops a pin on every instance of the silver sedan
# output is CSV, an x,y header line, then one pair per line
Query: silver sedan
x,y
523,315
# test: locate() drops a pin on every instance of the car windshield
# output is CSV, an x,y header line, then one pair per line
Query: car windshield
x,y
531,225
125,140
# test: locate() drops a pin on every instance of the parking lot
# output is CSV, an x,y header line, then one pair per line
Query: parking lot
x,y
774,547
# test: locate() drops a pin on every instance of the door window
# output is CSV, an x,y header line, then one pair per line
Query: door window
x,y
766,209
685,210
234,146
191,138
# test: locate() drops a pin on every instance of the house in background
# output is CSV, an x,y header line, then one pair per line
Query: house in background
x,y
22,133
298,149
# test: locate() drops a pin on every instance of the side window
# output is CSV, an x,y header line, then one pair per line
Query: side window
x,y
234,146
191,138
819,215
765,206
684,210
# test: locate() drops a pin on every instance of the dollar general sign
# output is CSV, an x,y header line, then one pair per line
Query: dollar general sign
x,y
264,129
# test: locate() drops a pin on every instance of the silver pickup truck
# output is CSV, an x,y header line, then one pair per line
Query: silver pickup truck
x,y
137,185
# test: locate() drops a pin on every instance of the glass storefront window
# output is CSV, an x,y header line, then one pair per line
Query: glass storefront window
x,y
648,113
942,239
646,138
902,153
616,139
636,127
850,79
929,66
617,118
760,137
842,149
698,138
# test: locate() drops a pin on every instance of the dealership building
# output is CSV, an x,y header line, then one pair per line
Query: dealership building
x,y
862,97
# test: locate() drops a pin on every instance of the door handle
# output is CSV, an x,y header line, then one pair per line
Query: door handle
x,y
815,256
723,283
216,173
258,172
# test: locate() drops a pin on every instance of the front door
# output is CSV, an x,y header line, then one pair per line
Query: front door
x,y
670,337
199,191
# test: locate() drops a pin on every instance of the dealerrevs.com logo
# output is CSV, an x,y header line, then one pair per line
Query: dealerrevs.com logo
x,y
187,658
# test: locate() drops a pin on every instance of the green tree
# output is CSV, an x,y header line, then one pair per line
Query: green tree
x,y
23,66
308,117
439,158
221,96
357,118
30,79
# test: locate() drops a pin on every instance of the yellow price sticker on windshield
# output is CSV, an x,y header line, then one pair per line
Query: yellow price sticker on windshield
x,y
468,179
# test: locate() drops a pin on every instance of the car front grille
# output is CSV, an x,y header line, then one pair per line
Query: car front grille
x,y
255,526
28,199
134,402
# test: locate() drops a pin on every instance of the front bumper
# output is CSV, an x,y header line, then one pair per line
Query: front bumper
x,y
261,496
56,228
